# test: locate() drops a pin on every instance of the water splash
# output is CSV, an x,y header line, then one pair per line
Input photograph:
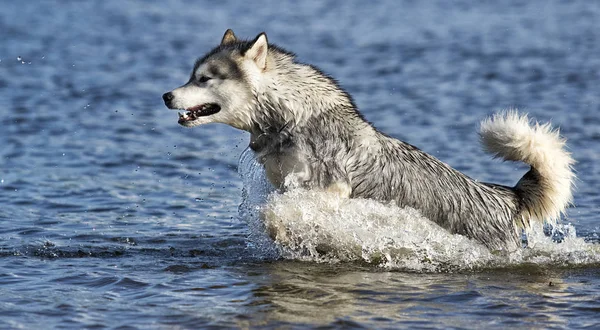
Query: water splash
x,y
255,192
322,227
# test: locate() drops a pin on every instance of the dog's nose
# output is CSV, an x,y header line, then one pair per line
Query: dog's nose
x,y
168,97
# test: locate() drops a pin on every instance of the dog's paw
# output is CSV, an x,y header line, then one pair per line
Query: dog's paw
x,y
274,226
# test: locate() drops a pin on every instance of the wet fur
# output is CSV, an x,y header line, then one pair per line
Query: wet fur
x,y
307,132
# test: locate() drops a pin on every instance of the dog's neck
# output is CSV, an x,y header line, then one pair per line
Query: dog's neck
x,y
294,94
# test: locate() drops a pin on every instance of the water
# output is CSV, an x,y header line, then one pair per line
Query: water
x,y
114,216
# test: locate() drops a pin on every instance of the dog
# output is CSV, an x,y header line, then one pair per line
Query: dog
x,y
307,132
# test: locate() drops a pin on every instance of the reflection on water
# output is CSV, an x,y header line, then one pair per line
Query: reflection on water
x,y
295,293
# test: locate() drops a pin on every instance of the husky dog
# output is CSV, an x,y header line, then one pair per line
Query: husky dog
x,y
307,132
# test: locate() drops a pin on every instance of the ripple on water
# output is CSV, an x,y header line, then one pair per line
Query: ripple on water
x,y
114,216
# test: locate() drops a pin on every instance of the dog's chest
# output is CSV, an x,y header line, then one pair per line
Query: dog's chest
x,y
287,170
286,165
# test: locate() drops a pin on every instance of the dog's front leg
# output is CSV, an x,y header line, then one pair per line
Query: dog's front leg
x,y
298,175
340,188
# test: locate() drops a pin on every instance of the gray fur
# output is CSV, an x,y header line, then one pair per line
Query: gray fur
x,y
305,127
397,172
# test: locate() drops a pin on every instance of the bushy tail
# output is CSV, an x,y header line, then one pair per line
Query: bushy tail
x,y
546,190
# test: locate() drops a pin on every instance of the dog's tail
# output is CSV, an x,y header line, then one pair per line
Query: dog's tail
x,y
546,190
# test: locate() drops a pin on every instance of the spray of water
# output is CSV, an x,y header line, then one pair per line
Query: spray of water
x,y
322,227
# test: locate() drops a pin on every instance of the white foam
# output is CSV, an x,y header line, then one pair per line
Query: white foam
x,y
322,227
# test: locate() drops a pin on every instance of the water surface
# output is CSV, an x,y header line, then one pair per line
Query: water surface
x,y
113,216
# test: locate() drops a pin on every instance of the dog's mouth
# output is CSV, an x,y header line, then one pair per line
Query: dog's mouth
x,y
198,111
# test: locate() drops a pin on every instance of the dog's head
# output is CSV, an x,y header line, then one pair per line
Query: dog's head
x,y
221,87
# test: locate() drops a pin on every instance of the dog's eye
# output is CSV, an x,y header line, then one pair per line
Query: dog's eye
x,y
204,79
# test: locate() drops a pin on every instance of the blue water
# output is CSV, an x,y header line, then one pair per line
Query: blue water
x,y
114,216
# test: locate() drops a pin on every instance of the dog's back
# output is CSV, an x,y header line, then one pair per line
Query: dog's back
x,y
341,148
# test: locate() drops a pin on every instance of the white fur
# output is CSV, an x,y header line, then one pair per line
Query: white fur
x,y
513,137
258,51
308,133
229,94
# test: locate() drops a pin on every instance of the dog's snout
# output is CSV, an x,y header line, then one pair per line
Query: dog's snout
x,y
168,97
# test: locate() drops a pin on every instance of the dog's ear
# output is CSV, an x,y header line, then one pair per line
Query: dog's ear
x,y
228,38
258,51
